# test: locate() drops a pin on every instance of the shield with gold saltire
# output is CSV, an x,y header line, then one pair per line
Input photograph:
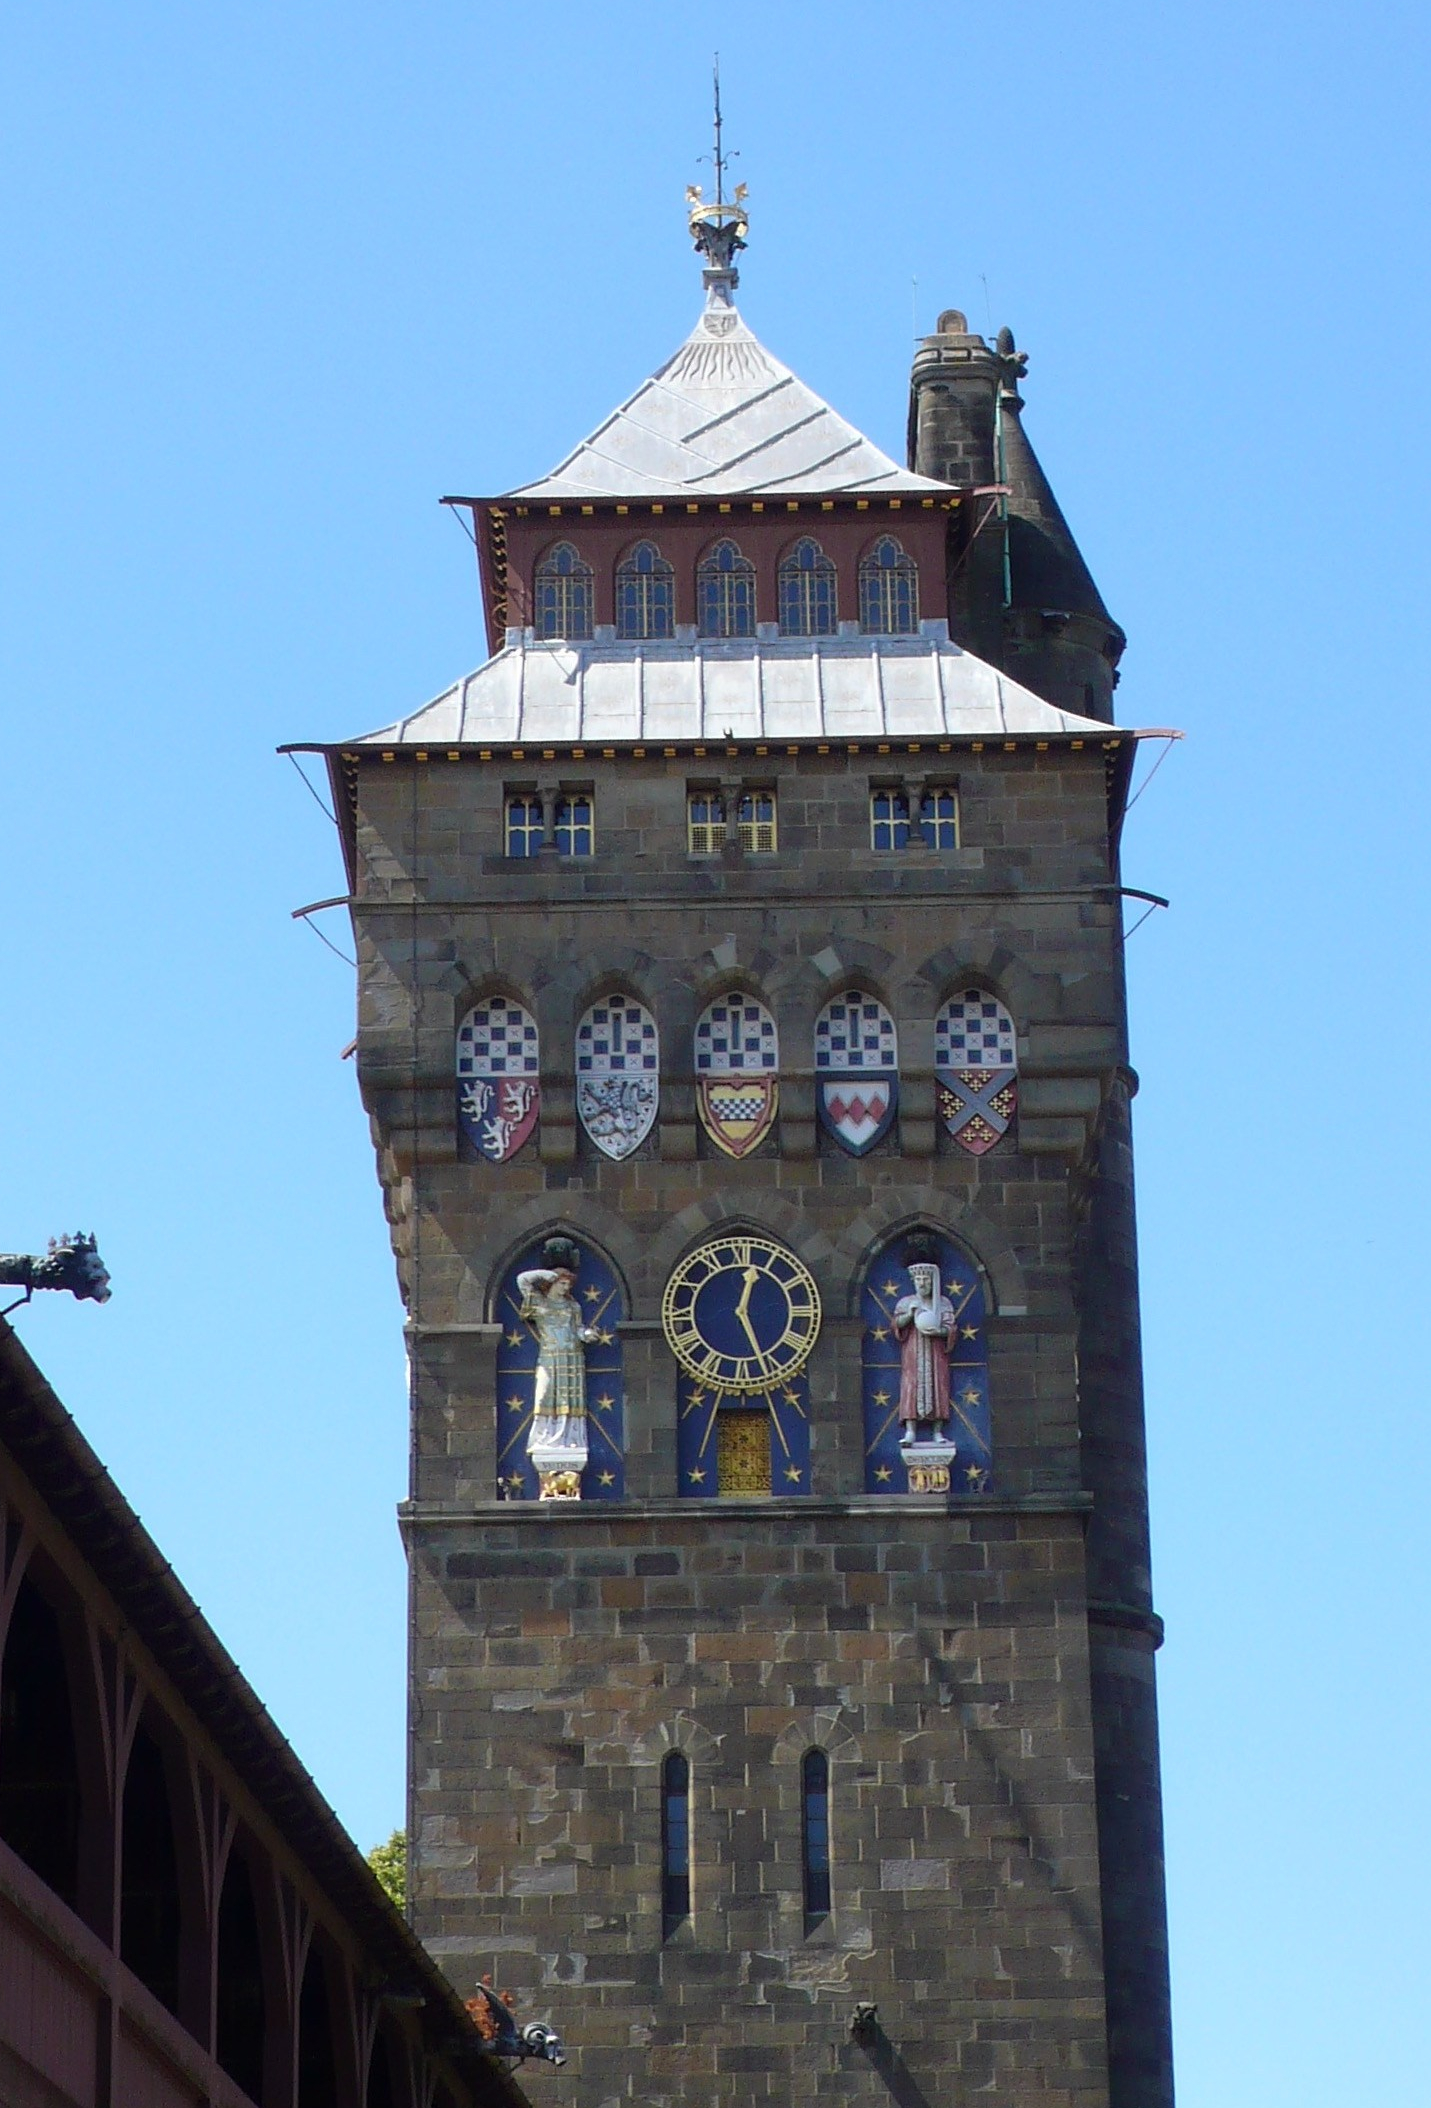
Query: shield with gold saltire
x,y
737,1112
977,1105
858,1110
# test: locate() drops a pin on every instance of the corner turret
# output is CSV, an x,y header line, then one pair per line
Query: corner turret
x,y
1020,592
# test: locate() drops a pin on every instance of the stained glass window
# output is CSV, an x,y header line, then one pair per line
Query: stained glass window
x,y
807,591
524,824
815,1835
563,594
725,593
889,591
645,594
889,819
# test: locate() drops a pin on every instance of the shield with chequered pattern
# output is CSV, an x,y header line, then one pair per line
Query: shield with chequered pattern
x,y
976,1069
737,1112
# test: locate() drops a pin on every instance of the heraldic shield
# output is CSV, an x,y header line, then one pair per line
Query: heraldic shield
x,y
498,1091
618,1085
737,1073
857,1071
976,1069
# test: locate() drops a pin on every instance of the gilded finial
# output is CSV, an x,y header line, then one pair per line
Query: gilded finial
x,y
718,226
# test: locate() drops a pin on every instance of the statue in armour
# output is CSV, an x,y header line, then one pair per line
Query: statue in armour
x,y
556,1439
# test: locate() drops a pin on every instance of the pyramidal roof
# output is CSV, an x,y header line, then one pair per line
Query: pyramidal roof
x,y
723,416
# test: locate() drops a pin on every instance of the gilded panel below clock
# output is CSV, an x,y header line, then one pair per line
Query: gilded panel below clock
x,y
737,1447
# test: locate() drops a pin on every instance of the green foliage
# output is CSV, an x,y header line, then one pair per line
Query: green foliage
x,y
389,1862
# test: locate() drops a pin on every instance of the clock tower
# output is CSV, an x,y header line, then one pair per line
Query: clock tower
x,y
742,1026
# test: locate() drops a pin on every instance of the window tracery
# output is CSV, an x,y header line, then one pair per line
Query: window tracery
x,y
645,594
725,593
563,599
808,591
889,590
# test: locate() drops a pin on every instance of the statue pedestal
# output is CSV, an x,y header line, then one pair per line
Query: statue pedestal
x,y
559,1465
928,1464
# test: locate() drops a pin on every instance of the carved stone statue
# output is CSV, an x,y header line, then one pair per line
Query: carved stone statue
x,y
925,1326
71,1263
556,1439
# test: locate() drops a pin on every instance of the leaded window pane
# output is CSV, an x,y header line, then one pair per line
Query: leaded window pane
x,y
725,593
675,1841
574,830
815,1834
889,591
756,822
645,595
563,595
705,822
524,825
807,592
939,819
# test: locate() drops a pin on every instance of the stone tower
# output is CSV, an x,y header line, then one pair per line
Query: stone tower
x,y
742,1025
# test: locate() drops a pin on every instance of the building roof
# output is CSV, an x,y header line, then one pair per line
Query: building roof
x,y
724,415
849,686
109,1537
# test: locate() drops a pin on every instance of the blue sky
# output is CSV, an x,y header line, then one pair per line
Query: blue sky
x,y
276,277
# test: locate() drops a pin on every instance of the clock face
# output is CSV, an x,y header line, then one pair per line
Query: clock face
x,y
741,1314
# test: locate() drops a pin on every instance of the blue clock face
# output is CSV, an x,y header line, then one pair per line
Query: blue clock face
x,y
741,1314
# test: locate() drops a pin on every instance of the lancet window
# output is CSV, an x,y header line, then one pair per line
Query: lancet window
x,y
807,591
563,594
645,594
889,590
675,1842
815,1835
725,593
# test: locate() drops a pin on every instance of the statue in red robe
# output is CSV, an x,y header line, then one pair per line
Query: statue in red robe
x,y
925,1326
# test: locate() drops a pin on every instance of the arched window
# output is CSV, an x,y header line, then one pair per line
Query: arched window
x,y
150,1916
725,593
900,1375
675,1842
597,1294
240,2006
317,2067
807,591
645,594
618,1074
563,594
856,1070
976,1069
39,1769
498,1078
889,591
815,1835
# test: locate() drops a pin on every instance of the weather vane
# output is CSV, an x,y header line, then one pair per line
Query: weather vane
x,y
719,226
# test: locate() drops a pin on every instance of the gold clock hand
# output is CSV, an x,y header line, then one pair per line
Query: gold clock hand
x,y
742,1308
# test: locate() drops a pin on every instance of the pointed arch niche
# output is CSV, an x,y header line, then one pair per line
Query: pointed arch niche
x,y
886,1281
601,1299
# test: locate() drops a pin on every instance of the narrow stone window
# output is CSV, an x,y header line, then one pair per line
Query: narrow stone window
x,y
889,591
756,822
645,595
725,593
815,1835
889,819
675,1843
574,830
563,594
939,818
524,829
807,591
705,822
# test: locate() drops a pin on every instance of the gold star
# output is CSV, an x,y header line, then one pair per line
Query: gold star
x,y
604,1339
975,1476
606,1478
514,1339
880,1332
884,1473
954,1288
697,1397
970,1331
970,1397
792,1473
891,1288
605,1403
791,1397
593,1295
881,1397
696,1478
514,1405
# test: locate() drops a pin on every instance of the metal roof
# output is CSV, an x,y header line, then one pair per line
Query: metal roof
x,y
723,416
849,686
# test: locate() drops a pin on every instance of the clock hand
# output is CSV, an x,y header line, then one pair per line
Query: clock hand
x,y
742,1308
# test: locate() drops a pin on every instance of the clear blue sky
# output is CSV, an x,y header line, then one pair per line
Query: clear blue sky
x,y
275,277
